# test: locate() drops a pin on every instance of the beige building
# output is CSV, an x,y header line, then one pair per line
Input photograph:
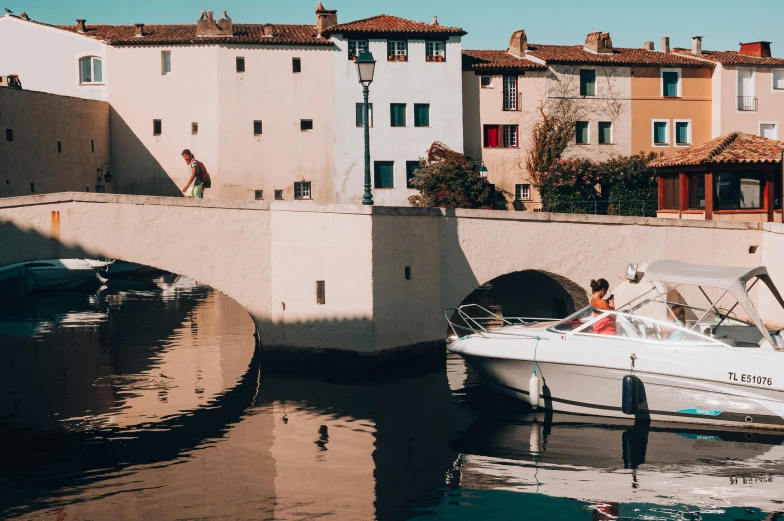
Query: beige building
x,y
51,143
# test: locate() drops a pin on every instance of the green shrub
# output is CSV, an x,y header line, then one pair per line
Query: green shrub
x,y
450,183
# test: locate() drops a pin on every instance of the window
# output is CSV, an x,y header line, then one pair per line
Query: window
x,y
165,62
194,128
421,114
587,82
257,128
407,272
746,96
682,133
486,82
278,195
435,51
32,187
671,83
522,192
355,47
661,133
510,92
605,132
361,114
510,136
59,147
581,134
768,130
296,65
321,293
240,64
778,79
696,191
92,145
384,174
157,127
411,168
491,135
736,191
9,134
397,114
671,186
397,50
258,195
302,190
305,124
91,70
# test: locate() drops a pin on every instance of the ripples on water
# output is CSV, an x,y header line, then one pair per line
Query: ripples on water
x,y
148,401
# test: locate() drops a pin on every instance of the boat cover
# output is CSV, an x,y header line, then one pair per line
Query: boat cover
x,y
731,279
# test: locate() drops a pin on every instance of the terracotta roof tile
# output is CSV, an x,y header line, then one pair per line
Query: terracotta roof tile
x,y
732,58
186,34
619,56
731,148
384,23
490,60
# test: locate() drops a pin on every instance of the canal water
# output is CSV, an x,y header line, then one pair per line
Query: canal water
x,y
148,400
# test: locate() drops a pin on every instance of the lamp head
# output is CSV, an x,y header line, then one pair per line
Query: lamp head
x,y
366,67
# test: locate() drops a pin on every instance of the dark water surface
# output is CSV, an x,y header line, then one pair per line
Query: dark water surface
x,y
149,401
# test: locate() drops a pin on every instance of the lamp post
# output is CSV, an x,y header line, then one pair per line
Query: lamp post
x,y
366,66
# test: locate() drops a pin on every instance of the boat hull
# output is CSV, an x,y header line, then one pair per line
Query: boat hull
x,y
598,391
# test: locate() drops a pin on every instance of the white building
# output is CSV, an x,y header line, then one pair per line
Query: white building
x,y
416,98
54,59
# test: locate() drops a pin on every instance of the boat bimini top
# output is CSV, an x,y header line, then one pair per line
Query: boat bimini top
x,y
732,280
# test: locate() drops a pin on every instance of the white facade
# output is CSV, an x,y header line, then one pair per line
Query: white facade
x,y
47,58
415,81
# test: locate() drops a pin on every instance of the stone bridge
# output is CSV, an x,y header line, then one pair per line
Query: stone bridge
x,y
387,272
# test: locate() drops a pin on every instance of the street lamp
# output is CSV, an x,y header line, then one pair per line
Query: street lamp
x,y
483,171
366,66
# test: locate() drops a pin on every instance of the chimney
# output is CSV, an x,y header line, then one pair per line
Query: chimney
x,y
81,25
665,44
269,30
325,18
598,42
206,25
696,45
648,46
435,21
758,49
24,16
518,44
139,30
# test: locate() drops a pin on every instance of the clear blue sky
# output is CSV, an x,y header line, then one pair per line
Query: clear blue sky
x,y
489,23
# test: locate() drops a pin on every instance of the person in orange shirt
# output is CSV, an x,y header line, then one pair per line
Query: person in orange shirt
x,y
606,325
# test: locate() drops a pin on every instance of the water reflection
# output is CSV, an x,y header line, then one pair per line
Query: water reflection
x,y
156,405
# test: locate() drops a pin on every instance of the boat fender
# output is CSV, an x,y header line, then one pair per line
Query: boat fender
x,y
533,391
631,394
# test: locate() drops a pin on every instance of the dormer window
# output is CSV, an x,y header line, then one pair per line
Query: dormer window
x,y
397,51
90,70
355,47
435,51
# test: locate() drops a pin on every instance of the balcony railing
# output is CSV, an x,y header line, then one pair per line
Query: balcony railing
x,y
747,103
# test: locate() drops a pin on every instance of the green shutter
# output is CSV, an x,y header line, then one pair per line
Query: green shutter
x,y
605,132
384,174
670,84
681,132
659,132
411,168
581,132
587,82
422,115
398,114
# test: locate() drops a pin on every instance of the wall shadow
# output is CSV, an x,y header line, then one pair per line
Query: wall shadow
x,y
135,169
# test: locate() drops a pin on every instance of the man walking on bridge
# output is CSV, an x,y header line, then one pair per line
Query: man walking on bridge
x,y
194,188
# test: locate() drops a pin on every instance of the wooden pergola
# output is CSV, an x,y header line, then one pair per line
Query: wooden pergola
x,y
733,177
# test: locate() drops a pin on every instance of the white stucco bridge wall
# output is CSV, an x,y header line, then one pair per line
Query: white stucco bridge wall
x,y
269,256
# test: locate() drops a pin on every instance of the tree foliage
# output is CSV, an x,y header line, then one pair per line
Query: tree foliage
x,y
622,185
452,182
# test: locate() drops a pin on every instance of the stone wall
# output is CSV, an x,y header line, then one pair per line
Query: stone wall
x,y
51,143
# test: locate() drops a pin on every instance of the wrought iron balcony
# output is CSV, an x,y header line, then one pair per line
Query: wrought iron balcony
x,y
747,103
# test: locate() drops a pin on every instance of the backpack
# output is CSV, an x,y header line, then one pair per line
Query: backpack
x,y
204,177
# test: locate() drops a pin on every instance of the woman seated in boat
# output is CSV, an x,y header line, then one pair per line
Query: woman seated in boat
x,y
606,325
680,319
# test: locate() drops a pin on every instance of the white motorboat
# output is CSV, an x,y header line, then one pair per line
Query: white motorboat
x,y
49,275
720,366
124,269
